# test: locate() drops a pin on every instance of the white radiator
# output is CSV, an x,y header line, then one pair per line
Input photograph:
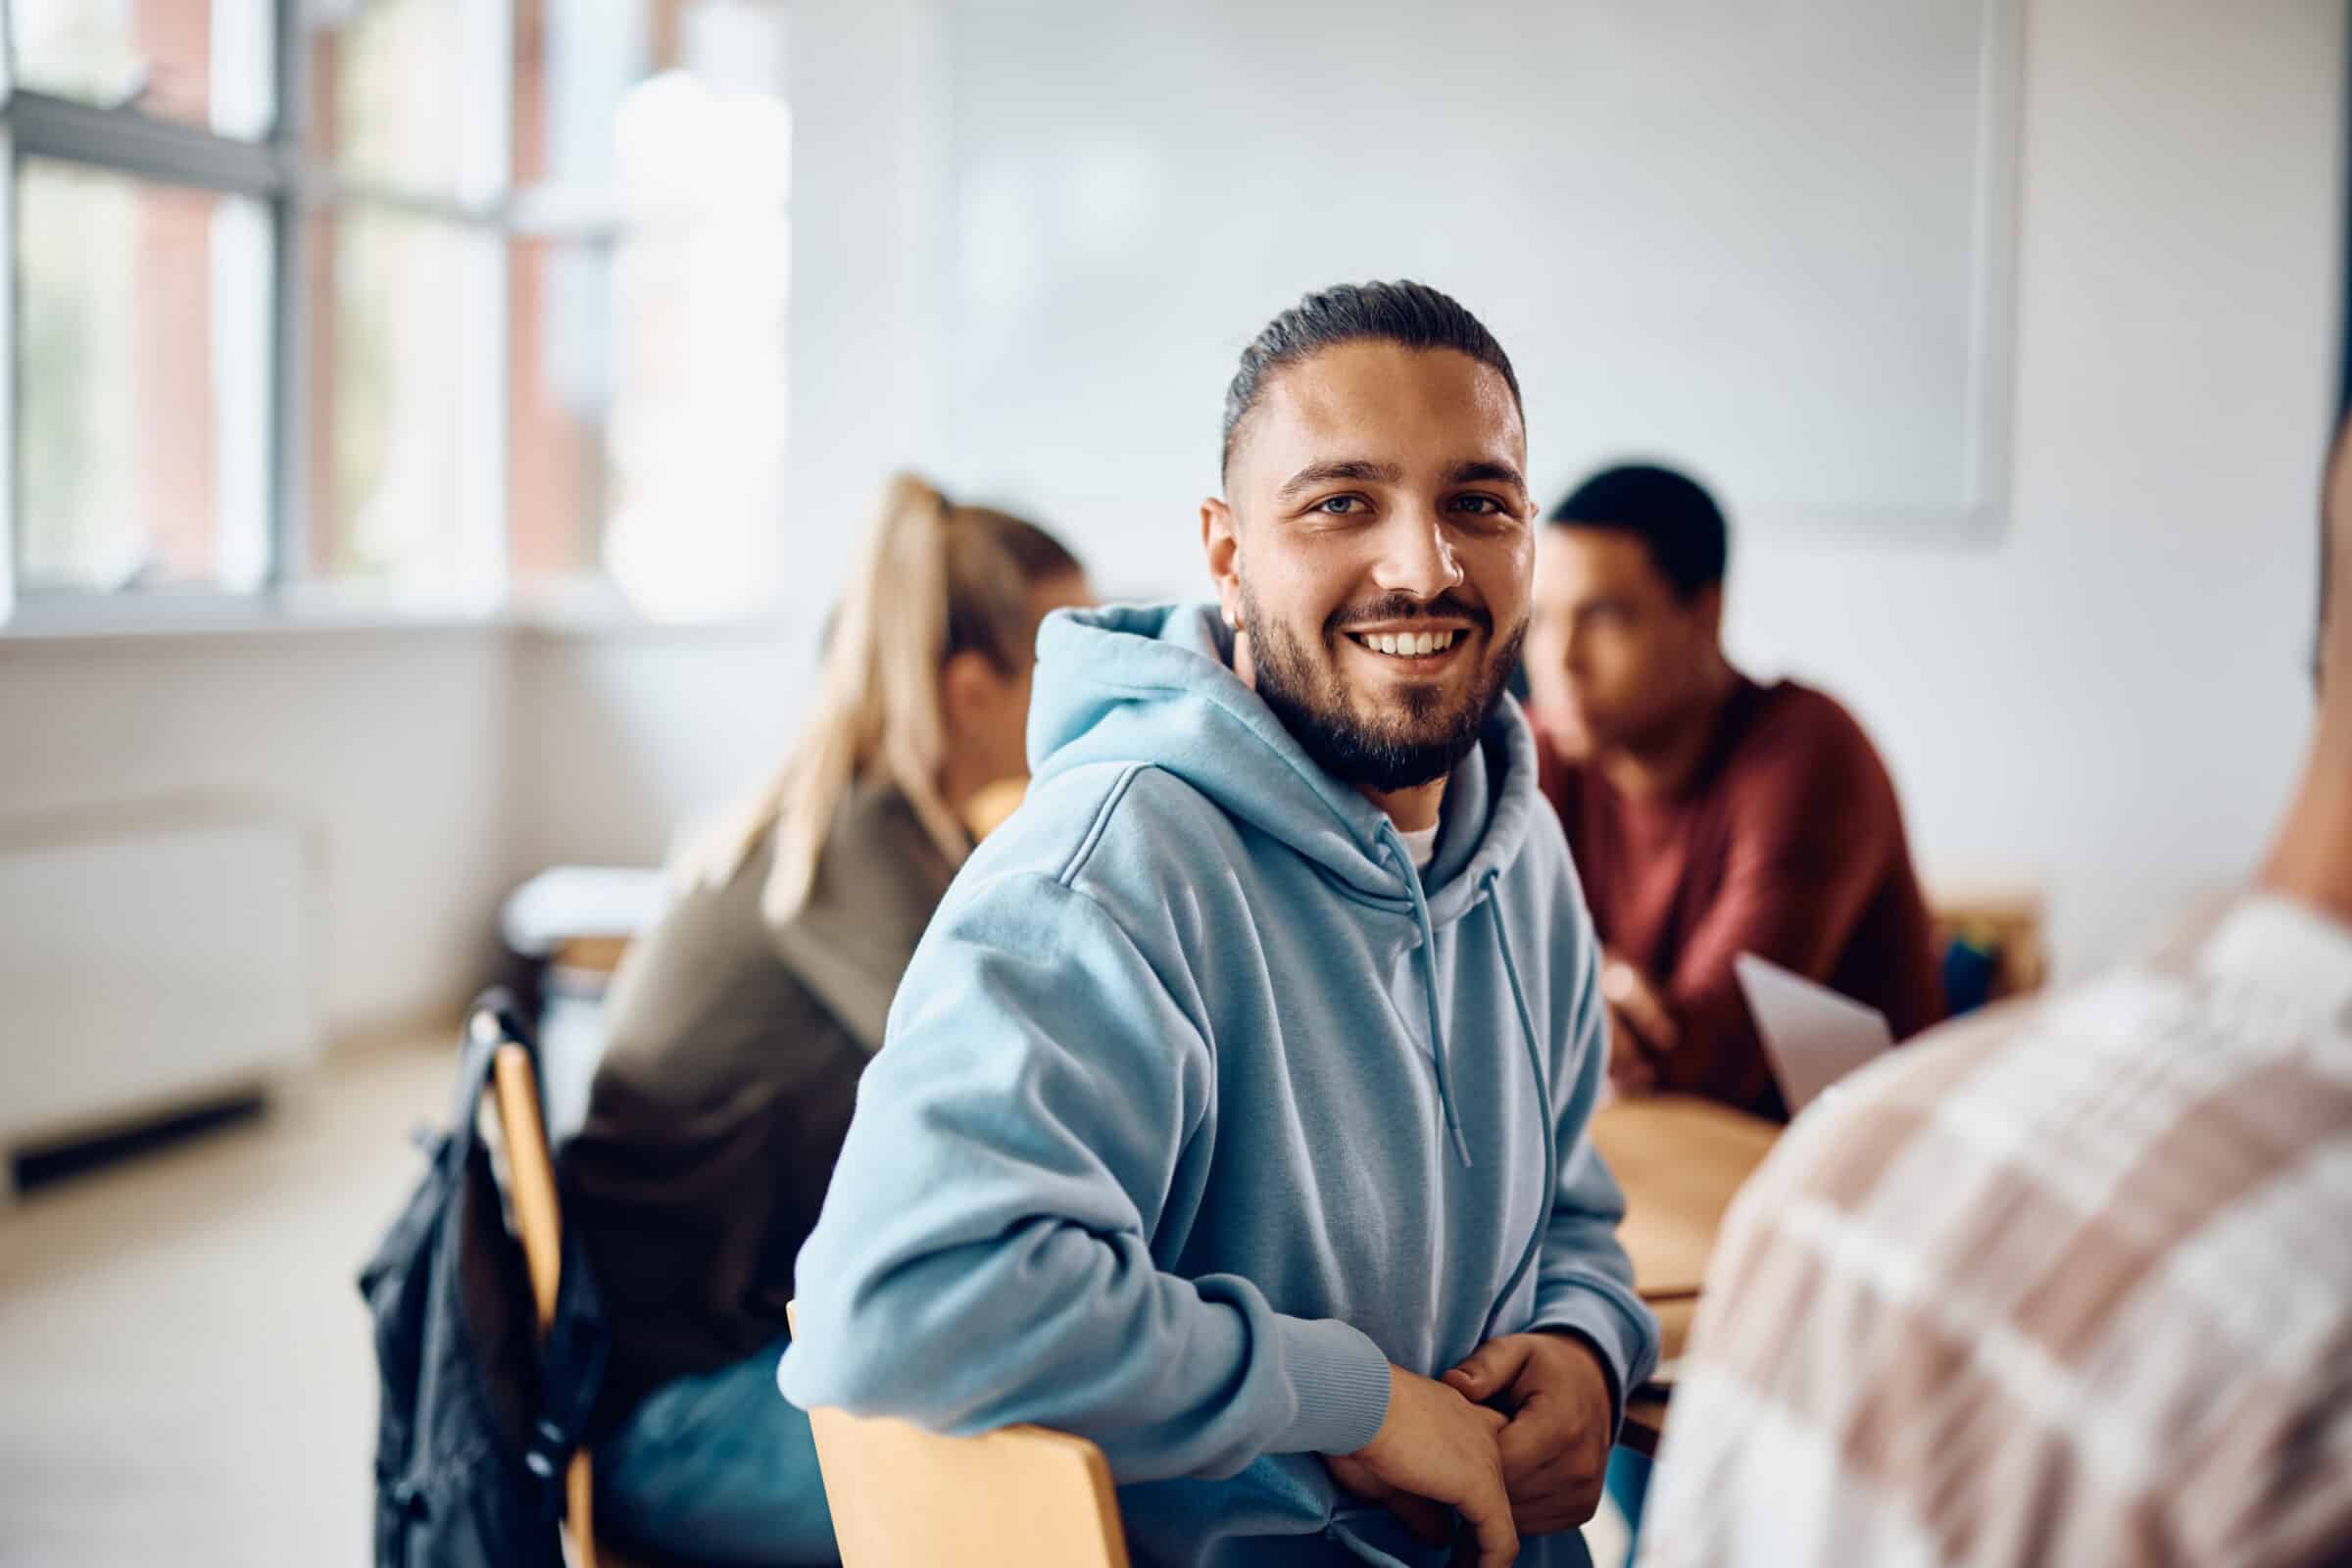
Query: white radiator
x,y
143,969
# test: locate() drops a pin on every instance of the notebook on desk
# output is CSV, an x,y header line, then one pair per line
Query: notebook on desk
x,y
1812,1035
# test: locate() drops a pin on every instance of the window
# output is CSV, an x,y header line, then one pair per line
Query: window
x,y
142,437
647,278
425,302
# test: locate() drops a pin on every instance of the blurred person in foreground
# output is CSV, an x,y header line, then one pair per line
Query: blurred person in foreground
x,y
2071,1284
1709,815
1233,1114
741,1024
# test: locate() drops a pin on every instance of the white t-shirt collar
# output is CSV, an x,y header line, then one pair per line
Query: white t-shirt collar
x,y
1421,843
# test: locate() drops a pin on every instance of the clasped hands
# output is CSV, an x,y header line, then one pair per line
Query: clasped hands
x,y
1514,1439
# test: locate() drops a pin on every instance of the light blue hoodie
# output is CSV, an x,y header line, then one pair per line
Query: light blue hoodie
x,y
1198,1107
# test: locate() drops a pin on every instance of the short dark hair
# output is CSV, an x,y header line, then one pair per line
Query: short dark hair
x,y
1405,312
1670,512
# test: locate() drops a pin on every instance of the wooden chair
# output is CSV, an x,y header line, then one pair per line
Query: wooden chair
x,y
1023,1497
539,1221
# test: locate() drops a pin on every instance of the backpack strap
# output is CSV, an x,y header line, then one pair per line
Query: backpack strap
x,y
572,1365
490,1022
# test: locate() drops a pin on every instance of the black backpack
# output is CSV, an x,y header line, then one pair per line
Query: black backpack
x,y
476,1423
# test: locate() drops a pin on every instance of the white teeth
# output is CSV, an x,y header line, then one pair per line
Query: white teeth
x,y
1408,644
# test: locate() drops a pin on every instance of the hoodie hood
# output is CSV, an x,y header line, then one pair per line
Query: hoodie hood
x,y
1154,684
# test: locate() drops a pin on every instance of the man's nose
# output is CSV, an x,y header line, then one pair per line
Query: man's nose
x,y
1416,558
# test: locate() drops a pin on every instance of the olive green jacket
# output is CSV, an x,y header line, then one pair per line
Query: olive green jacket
x,y
729,1072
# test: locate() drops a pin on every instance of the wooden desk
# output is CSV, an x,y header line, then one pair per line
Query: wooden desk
x,y
1680,1161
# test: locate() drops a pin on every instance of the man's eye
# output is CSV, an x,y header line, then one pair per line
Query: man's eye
x,y
1340,505
1484,506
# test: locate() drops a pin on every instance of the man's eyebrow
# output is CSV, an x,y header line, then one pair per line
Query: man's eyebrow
x,y
1316,474
1486,472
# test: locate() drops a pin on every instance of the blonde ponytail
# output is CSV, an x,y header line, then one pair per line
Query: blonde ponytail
x,y
934,576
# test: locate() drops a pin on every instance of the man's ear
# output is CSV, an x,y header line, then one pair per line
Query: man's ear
x,y
1707,605
1221,543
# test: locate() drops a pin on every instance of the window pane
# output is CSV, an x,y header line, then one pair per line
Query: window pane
x,y
143,384
649,409
646,412
404,361
559,406
410,94
201,62
580,65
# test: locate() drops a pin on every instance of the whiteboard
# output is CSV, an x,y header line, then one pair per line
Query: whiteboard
x,y
1768,239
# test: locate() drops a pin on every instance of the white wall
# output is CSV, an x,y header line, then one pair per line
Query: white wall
x,y
864,130
626,738
387,749
2113,699
428,768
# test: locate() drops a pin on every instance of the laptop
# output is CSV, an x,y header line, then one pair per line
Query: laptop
x,y
1812,1035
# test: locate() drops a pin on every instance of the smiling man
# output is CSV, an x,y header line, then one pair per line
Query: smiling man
x,y
1232,1114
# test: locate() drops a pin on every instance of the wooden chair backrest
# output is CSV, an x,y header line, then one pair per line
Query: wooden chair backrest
x,y
1023,1497
539,1218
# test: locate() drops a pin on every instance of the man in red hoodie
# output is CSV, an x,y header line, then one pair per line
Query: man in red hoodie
x,y
1709,815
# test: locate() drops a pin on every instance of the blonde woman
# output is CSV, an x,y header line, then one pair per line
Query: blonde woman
x,y
741,1024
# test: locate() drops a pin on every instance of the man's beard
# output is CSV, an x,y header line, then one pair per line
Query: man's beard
x,y
1421,742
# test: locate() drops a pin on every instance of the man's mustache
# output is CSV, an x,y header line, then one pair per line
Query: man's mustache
x,y
1403,607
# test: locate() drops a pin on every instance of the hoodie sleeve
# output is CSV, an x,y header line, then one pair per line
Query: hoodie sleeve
x,y
1584,1281
984,1257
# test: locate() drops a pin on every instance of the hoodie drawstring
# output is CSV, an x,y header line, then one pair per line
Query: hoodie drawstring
x,y
1535,1064
1429,991
1529,1039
